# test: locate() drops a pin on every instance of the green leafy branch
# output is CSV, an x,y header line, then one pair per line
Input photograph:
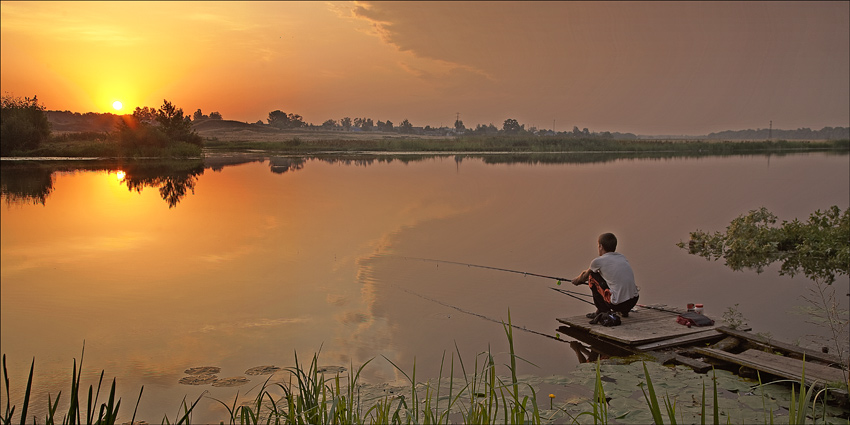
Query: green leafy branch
x,y
818,248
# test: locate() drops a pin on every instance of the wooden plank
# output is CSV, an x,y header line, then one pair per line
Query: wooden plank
x,y
660,357
697,365
641,327
786,367
664,357
781,346
707,335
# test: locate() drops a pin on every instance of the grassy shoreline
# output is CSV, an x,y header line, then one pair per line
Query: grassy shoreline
x,y
479,395
65,148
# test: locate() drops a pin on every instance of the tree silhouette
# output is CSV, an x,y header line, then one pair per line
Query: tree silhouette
x,y
511,126
282,120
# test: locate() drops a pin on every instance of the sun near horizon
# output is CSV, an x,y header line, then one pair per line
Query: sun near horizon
x,y
117,105
639,67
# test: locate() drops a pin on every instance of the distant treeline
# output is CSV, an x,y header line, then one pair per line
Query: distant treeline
x,y
826,133
67,121
77,122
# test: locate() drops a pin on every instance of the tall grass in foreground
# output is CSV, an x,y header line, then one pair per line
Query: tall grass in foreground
x,y
483,397
107,413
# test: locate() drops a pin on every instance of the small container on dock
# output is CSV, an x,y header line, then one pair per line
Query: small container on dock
x,y
690,307
698,309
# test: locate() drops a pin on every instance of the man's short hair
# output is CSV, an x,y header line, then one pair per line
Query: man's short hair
x,y
608,242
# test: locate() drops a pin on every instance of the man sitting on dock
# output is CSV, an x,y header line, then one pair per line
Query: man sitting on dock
x,y
611,280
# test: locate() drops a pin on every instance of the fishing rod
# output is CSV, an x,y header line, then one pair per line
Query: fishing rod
x,y
487,267
559,279
570,294
659,309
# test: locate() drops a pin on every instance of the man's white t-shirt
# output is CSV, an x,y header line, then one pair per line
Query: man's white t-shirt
x,y
617,272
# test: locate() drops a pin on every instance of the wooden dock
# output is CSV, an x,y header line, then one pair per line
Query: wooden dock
x,y
816,374
643,326
655,332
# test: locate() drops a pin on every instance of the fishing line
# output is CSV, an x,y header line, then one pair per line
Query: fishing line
x,y
524,329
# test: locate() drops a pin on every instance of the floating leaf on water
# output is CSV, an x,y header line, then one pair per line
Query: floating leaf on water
x,y
755,402
262,370
745,416
575,399
732,382
331,369
625,407
198,379
230,382
203,370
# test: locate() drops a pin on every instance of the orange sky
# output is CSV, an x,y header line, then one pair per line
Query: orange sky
x,y
646,68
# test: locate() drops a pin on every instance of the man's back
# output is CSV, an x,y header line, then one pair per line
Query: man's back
x,y
617,272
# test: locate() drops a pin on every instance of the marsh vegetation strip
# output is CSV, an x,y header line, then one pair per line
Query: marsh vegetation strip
x,y
524,144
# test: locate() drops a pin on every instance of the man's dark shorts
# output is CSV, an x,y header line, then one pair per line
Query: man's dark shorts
x,y
602,295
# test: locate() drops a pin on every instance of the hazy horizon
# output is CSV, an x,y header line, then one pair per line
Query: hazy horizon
x,y
657,68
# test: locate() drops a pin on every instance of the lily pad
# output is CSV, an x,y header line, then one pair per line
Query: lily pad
x,y
230,382
621,406
745,416
203,370
576,400
331,369
261,370
755,402
198,379
642,416
732,382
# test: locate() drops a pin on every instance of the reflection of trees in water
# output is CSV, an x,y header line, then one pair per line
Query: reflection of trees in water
x,y
280,165
22,184
537,158
174,180
32,182
361,160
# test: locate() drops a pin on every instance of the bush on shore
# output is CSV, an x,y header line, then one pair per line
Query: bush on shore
x,y
23,124
163,128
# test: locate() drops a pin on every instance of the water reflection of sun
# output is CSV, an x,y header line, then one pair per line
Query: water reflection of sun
x,y
119,175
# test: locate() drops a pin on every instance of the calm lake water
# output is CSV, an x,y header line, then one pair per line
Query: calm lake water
x,y
241,263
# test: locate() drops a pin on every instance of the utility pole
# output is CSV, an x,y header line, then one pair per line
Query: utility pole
x,y
770,131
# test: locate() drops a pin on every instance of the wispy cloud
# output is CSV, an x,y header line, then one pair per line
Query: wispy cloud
x,y
57,25
224,22
70,251
263,323
223,257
